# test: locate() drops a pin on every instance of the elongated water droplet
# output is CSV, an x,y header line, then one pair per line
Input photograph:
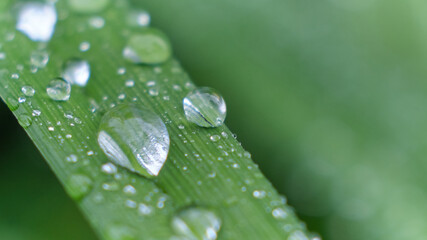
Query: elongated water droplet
x,y
59,89
12,104
205,107
24,120
84,6
196,224
134,138
149,46
28,91
37,21
76,71
78,186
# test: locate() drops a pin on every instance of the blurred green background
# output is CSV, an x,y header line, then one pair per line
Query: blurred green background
x,y
328,96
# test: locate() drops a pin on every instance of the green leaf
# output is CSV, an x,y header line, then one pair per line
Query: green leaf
x,y
218,175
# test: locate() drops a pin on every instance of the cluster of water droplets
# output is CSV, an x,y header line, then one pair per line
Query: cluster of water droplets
x,y
133,136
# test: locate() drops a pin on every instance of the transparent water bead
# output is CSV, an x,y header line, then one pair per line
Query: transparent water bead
x,y
196,224
205,107
134,138
149,46
139,18
39,58
28,91
78,186
25,121
76,71
59,89
84,6
37,21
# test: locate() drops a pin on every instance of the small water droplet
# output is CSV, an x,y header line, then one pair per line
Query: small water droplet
x,y
259,194
24,120
149,46
12,104
121,71
84,46
78,185
109,168
28,91
36,113
153,92
130,203
129,189
110,186
59,89
37,21
134,138
72,158
138,18
97,22
39,58
196,224
130,83
279,213
76,71
21,100
205,107
215,138
84,6
144,209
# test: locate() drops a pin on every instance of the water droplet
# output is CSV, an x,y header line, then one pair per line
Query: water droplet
x,y
36,113
109,168
139,18
279,213
78,185
39,58
205,107
12,104
97,22
130,203
215,138
28,91
84,46
76,71
59,89
259,194
130,83
24,120
196,224
134,138
37,21
84,6
110,186
144,209
129,189
149,46
72,158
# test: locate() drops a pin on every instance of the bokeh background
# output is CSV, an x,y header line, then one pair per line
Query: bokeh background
x,y
329,96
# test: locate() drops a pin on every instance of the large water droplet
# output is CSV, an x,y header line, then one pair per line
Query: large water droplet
x,y
78,186
84,6
196,224
59,89
134,138
37,21
150,46
205,107
76,71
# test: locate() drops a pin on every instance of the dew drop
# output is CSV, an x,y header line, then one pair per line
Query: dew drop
x,y
21,100
144,209
279,213
84,46
258,194
205,107
12,104
72,158
84,6
76,71
37,21
134,138
109,168
149,46
215,138
78,185
129,189
24,120
59,89
97,22
39,58
28,91
36,113
196,223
